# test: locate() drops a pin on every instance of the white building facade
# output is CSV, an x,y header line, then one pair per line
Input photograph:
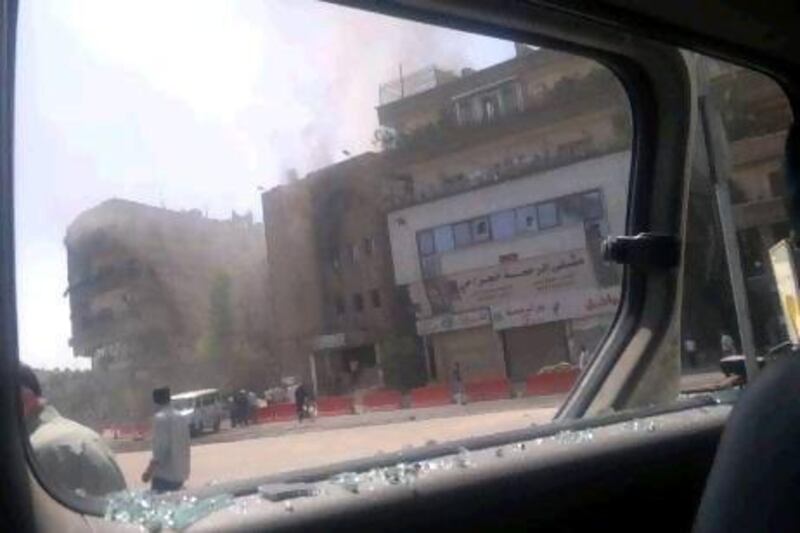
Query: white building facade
x,y
507,279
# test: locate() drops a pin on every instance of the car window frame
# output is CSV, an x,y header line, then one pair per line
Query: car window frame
x,y
549,31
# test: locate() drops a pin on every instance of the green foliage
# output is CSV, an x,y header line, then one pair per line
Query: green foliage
x,y
217,342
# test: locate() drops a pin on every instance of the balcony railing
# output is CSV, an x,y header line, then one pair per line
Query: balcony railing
x,y
406,194
568,97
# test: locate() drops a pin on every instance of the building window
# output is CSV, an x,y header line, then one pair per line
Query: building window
x,y
547,215
358,302
480,229
510,97
339,305
352,253
375,297
777,184
526,218
462,234
443,238
592,205
425,243
464,112
578,208
503,224
490,105
571,209
368,245
430,266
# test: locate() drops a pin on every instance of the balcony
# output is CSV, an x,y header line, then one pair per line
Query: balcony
x,y
568,98
106,278
406,194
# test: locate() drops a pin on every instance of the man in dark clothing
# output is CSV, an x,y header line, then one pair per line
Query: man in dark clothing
x,y
300,397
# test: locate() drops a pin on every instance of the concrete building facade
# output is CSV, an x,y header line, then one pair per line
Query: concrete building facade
x,y
336,307
498,204
165,297
484,214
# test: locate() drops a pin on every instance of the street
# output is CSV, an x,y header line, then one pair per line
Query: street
x,y
265,449
217,458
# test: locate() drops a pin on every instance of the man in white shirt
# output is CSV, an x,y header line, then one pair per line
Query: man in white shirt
x,y
583,357
169,468
69,454
727,344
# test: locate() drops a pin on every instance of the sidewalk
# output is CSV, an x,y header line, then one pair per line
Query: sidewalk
x,y
275,429
700,379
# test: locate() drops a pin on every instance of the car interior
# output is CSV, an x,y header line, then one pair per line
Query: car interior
x,y
620,453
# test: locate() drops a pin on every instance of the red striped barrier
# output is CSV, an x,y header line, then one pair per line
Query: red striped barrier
x,y
431,395
334,405
279,412
488,389
382,400
550,383
128,430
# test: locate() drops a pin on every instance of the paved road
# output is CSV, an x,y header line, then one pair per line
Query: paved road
x,y
309,446
280,447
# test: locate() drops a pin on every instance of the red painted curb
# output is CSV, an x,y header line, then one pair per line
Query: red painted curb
x,y
382,400
431,396
550,383
488,389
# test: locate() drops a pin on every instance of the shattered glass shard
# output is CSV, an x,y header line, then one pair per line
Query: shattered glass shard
x,y
155,512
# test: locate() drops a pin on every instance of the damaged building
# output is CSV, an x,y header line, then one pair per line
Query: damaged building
x,y
478,227
502,184
339,320
165,297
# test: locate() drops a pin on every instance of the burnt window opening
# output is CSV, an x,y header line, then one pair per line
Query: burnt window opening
x,y
375,298
358,302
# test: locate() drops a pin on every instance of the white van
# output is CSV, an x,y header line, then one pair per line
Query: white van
x,y
202,408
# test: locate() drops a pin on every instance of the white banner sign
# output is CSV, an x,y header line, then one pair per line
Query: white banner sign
x,y
557,305
452,322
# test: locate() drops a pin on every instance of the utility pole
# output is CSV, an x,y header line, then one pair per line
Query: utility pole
x,y
717,150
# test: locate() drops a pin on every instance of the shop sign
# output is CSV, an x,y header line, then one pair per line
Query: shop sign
x,y
557,305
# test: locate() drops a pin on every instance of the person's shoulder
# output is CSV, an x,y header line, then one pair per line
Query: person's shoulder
x,y
65,432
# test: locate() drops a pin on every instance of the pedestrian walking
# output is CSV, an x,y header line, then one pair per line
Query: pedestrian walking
x,y
300,398
583,357
169,467
727,345
690,349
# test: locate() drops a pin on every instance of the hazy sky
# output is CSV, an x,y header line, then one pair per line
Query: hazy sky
x,y
188,104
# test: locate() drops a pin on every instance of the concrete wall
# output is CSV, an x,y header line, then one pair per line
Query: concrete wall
x,y
536,72
141,279
294,278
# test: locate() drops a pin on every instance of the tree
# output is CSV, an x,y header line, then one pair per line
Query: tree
x,y
219,336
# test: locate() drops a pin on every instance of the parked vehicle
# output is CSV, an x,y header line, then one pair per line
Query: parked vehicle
x,y
735,365
202,407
